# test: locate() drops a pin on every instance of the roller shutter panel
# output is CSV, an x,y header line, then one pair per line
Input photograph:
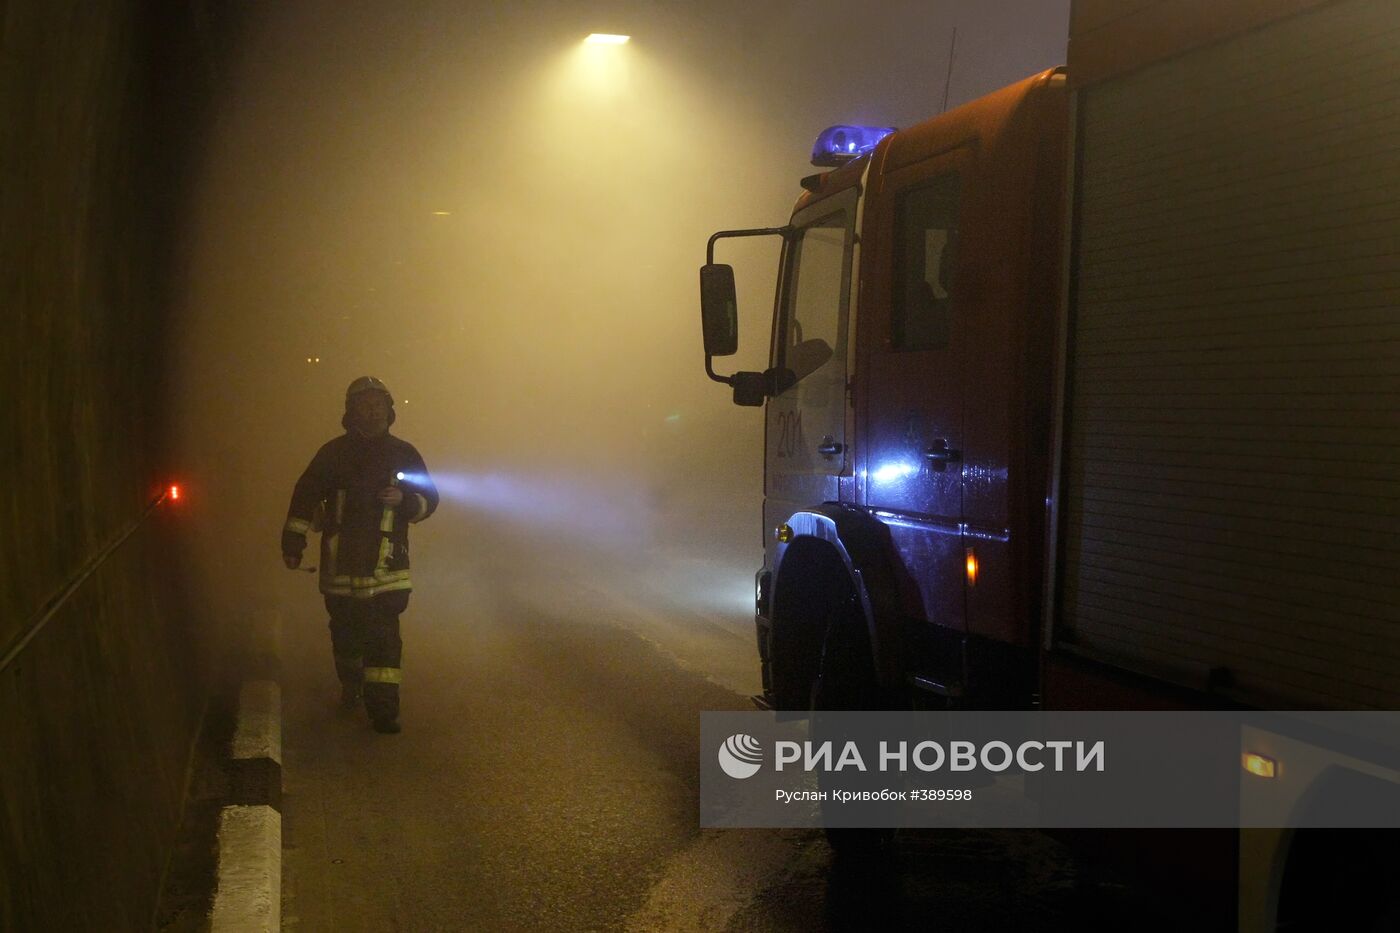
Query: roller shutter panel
x,y
1231,494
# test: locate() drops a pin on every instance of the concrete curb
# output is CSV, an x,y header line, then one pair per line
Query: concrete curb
x,y
249,897
259,733
249,892
255,768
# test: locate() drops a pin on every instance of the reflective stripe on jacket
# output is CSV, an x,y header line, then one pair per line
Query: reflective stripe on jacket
x,y
364,545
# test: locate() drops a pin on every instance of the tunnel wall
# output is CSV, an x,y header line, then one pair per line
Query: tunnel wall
x,y
101,107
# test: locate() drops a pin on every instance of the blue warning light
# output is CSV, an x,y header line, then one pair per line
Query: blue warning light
x,y
838,145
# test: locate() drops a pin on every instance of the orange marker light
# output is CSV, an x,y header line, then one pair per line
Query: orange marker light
x,y
1260,766
174,493
972,567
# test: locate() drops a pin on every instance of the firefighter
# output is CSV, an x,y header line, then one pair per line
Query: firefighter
x,y
361,491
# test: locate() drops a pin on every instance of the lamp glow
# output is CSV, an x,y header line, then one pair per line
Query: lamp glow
x,y
972,567
603,38
174,493
1260,766
889,472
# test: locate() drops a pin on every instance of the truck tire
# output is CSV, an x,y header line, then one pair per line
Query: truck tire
x,y
846,681
846,671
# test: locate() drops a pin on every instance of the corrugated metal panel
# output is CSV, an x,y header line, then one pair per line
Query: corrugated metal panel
x,y
1232,484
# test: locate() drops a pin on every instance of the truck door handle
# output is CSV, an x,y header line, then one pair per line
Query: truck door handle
x,y
943,454
829,447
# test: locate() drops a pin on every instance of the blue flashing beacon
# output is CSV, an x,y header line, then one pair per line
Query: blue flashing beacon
x,y
837,145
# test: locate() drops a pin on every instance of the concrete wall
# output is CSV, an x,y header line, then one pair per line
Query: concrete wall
x,y
101,102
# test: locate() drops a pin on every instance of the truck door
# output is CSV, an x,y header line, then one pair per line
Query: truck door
x,y
910,471
806,426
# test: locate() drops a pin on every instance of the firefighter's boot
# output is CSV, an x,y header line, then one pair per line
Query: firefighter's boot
x,y
350,695
382,698
351,674
383,655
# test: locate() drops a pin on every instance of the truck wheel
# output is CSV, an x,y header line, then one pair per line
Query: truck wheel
x,y
846,672
846,681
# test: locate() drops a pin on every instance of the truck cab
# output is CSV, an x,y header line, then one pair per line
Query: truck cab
x,y
1082,396
907,406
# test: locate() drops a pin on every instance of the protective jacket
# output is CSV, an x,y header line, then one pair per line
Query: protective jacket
x,y
364,545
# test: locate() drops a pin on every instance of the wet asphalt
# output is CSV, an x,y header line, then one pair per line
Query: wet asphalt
x,y
547,779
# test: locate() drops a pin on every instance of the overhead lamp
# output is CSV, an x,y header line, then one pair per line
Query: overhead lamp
x,y
604,38
1260,765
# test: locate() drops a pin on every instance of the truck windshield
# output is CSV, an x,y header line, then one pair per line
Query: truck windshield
x,y
811,333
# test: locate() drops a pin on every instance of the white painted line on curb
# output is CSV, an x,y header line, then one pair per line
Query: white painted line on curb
x,y
249,896
259,733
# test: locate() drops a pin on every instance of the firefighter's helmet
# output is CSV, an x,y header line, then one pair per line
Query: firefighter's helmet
x,y
367,384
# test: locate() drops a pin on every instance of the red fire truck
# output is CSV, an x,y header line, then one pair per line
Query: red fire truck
x,y
1086,395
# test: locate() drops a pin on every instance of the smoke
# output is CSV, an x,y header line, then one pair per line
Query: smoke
x,y
505,225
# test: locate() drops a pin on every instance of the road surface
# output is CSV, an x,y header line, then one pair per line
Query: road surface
x,y
546,779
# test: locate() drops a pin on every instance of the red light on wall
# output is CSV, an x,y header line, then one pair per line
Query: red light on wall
x,y
174,493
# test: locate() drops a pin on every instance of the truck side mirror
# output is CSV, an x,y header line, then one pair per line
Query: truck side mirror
x,y
719,310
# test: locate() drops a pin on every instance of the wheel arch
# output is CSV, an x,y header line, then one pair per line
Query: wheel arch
x,y
832,551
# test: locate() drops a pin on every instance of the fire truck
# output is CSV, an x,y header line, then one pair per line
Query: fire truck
x,y
1086,395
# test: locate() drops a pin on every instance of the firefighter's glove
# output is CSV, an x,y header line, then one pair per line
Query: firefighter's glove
x,y
293,561
391,497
